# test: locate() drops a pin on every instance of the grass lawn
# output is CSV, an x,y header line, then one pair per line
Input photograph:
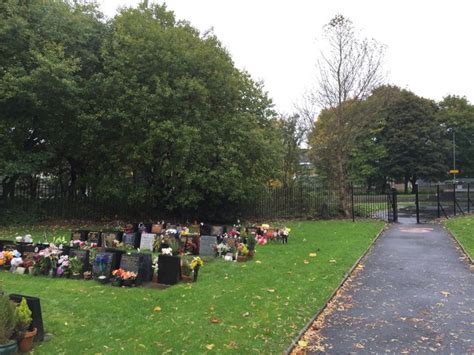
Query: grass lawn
x,y
463,230
252,307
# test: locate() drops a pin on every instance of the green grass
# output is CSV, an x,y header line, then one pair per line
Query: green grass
x,y
260,305
463,230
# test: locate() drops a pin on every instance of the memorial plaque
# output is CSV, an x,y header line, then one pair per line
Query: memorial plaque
x,y
79,235
131,239
217,230
93,237
109,237
206,245
157,228
36,315
130,262
103,264
81,255
147,241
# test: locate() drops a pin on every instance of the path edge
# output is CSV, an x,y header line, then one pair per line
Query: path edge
x,y
459,244
331,296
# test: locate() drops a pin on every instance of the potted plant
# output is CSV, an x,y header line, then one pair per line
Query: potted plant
x,y
7,326
75,267
23,323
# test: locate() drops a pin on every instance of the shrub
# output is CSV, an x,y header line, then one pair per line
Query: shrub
x,y
7,319
23,316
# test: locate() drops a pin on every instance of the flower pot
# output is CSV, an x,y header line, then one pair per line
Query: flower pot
x,y
195,273
103,279
241,258
128,283
25,344
20,270
31,270
76,276
9,348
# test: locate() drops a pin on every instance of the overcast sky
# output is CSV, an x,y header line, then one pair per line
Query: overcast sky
x,y
430,47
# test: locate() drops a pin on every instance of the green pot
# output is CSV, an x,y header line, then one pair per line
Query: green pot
x,y
9,348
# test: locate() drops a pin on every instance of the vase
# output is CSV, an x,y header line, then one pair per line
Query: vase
x,y
25,344
195,273
20,270
8,348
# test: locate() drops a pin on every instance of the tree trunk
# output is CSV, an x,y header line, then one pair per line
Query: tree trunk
x,y
342,186
406,184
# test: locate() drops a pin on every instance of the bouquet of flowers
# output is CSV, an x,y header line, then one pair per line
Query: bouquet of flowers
x,y
6,257
63,266
221,249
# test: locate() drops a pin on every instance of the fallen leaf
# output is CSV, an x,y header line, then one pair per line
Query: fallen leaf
x,y
210,346
258,262
312,254
333,261
445,293
246,314
215,320
359,346
157,309
271,290
306,262
302,344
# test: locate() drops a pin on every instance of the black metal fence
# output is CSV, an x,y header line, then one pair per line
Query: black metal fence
x,y
443,200
308,200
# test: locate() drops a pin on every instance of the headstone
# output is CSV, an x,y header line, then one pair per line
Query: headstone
x,y
217,230
79,235
169,269
131,239
147,241
109,237
37,318
81,255
206,245
130,262
93,237
103,264
4,243
117,258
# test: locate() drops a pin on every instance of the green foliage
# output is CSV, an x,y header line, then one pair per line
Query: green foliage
x,y
23,316
7,319
150,109
462,228
75,265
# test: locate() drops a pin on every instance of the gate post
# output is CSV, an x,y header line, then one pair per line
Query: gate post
x,y
438,199
394,205
454,198
417,203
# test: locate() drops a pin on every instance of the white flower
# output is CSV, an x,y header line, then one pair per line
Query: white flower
x,y
167,251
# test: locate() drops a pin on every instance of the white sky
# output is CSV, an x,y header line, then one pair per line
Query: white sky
x,y
430,46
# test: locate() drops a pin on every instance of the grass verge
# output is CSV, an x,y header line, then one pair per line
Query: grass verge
x,y
257,306
463,229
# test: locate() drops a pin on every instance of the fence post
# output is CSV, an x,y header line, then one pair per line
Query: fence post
x,y
394,205
468,198
352,201
454,197
417,203
438,199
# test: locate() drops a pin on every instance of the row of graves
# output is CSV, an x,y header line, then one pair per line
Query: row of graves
x,y
152,254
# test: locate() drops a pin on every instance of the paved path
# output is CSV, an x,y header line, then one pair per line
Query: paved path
x,y
415,293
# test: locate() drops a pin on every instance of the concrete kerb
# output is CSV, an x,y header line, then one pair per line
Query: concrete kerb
x,y
294,342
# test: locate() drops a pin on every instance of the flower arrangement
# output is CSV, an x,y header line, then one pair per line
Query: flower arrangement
x,y
16,261
221,249
196,263
123,277
5,257
242,249
63,266
75,266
